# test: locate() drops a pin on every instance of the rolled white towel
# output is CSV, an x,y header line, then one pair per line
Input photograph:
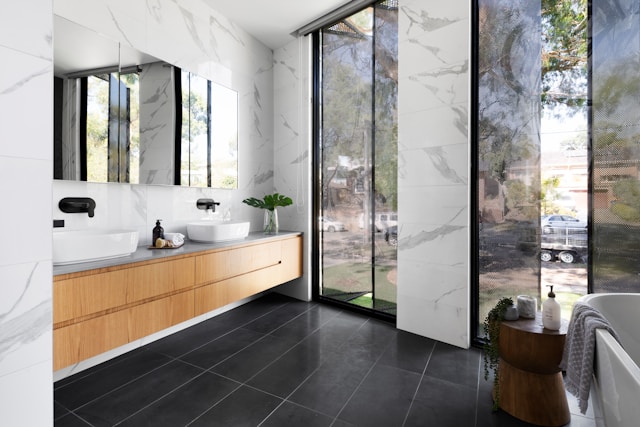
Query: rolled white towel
x,y
176,238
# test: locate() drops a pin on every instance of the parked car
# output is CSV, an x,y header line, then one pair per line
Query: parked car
x,y
331,225
391,235
382,220
560,223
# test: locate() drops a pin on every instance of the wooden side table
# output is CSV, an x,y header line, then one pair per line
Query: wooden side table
x,y
530,379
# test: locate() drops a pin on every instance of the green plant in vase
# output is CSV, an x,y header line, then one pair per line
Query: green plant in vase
x,y
270,203
491,347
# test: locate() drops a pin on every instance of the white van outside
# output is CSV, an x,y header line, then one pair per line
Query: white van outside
x,y
383,220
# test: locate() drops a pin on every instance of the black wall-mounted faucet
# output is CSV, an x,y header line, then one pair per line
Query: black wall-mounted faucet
x,y
206,204
78,205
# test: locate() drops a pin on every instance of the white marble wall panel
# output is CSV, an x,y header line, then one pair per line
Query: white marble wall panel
x,y
292,144
435,127
26,99
433,175
137,207
157,114
438,166
25,26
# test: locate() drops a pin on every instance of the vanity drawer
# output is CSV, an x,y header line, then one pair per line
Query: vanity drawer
x,y
82,340
230,263
77,297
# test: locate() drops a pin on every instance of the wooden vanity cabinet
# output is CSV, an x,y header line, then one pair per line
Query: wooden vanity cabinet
x,y
98,310
219,280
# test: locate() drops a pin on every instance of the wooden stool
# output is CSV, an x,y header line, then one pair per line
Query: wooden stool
x,y
530,380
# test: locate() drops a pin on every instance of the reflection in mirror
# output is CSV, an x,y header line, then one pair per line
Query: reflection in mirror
x,y
209,137
115,113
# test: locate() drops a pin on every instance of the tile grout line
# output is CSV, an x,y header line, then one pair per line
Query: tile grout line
x,y
286,399
424,372
373,365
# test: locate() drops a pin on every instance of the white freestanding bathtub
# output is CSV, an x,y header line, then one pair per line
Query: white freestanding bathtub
x,y
616,385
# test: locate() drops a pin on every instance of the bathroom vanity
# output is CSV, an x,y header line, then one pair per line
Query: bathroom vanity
x,y
103,305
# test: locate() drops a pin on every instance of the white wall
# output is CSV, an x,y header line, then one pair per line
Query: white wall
x,y
26,129
433,175
292,148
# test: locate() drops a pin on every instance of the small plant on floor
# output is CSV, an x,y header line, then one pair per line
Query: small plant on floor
x,y
491,326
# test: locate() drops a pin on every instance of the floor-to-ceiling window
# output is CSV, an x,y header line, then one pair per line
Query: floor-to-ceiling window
x,y
615,129
558,149
508,150
357,158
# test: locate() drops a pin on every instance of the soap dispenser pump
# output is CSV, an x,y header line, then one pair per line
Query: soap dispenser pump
x,y
158,232
551,318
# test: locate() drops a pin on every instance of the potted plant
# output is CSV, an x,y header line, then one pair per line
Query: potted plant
x,y
269,203
491,325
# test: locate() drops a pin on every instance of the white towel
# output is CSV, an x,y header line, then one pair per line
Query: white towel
x,y
176,238
579,350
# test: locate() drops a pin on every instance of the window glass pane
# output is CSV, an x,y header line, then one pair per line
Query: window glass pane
x,y
97,128
616,146
509,61
358,164
532,151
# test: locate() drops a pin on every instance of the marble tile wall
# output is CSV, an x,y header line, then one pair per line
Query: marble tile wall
x,y
25,172
433,175
195,37
292,146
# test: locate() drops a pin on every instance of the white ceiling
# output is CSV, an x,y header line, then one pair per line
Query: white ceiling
x,y
273,21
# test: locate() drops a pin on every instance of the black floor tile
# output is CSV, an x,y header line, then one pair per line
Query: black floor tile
x,y
127,400
306,323
251,360
383,398
335,333
369,342
279,317
286,373
289,414
244,407
185,403
218,350
178,344
408,351
58,410
277,361
455,364
70,420
107,378
331,386
442,403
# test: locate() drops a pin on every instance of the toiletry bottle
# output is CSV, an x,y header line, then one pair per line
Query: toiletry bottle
x,y
551,312
158,232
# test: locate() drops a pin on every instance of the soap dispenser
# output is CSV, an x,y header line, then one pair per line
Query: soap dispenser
x,y
158,232
551,312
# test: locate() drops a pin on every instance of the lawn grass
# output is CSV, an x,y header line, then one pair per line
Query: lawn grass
x,y
352,282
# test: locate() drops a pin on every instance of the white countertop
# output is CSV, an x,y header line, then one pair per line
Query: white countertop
x,y
144,253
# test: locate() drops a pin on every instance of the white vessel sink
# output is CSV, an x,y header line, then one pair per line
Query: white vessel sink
x,y
74,246
212,231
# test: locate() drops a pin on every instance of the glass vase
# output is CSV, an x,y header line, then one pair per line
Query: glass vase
x,y
270,221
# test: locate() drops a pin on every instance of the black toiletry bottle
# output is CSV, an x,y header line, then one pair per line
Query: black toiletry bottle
x,y
158,232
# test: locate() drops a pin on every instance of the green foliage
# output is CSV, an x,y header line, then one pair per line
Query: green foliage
x,y
270,201
628,191
491,325
564,53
